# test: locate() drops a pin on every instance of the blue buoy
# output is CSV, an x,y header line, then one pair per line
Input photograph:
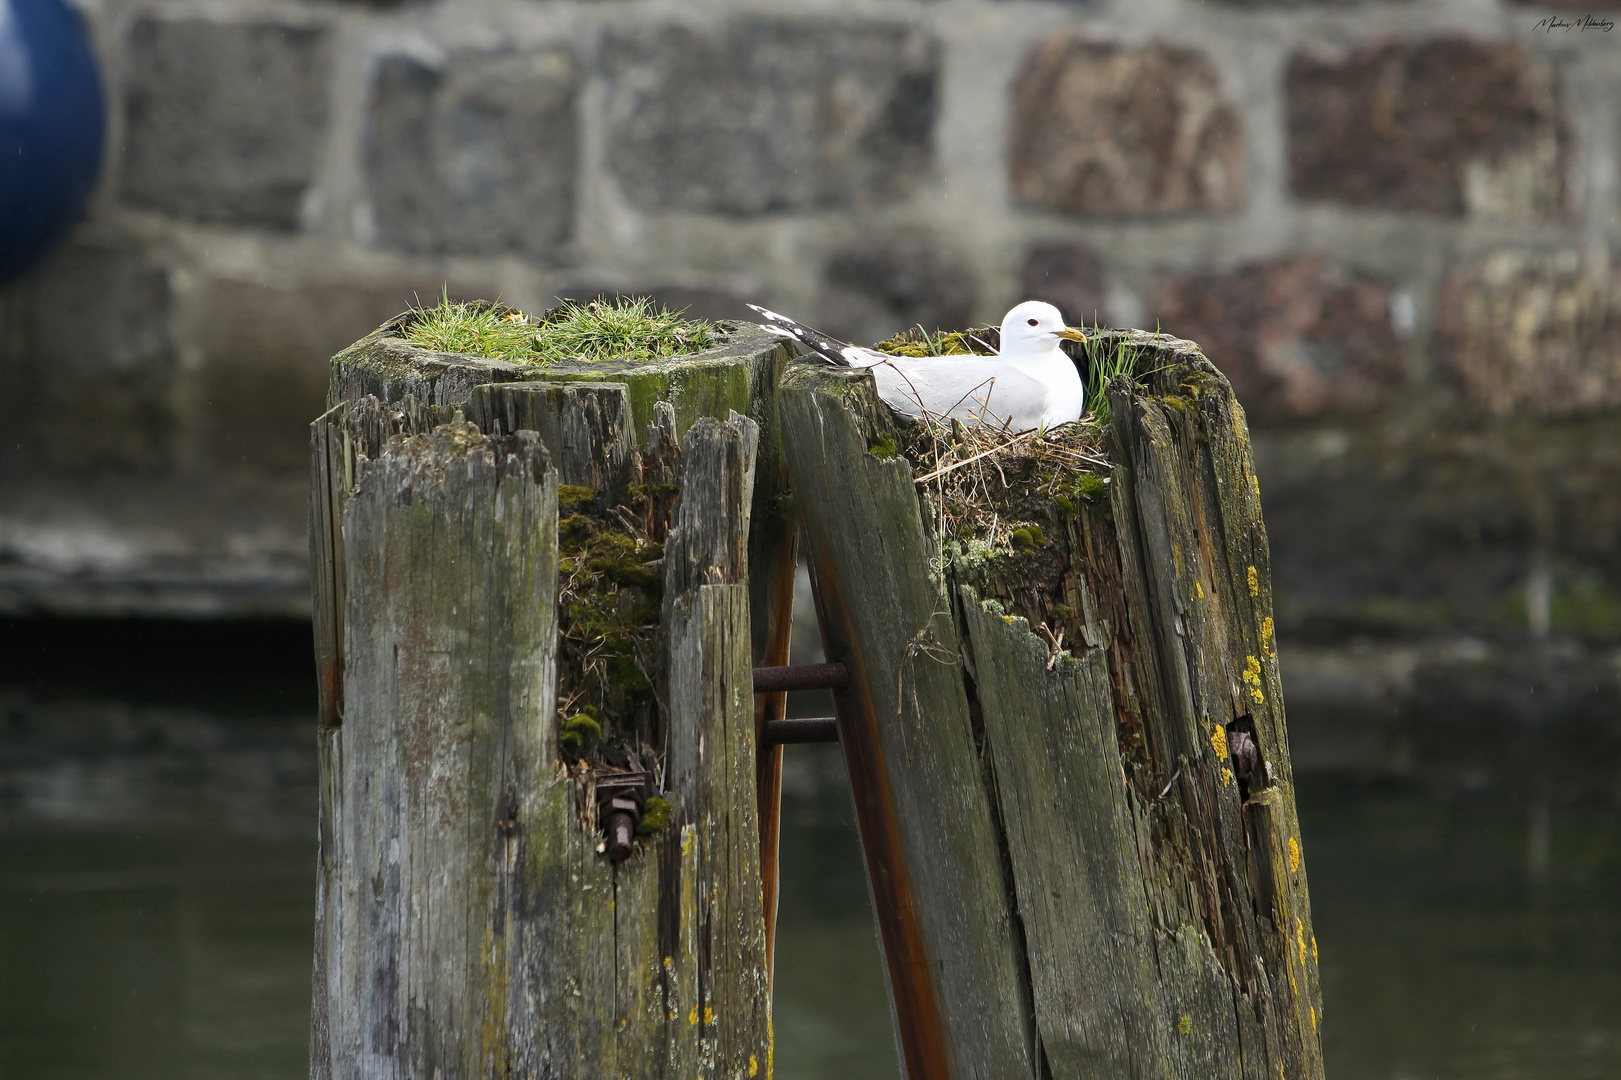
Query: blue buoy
x,y
51,122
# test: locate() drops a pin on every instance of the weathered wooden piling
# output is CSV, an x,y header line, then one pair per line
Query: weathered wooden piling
x,y
1084,860
470,920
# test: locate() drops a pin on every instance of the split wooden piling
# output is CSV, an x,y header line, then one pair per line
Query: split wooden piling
x,y
470,921
1084,860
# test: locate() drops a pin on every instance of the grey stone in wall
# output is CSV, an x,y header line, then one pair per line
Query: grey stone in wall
x,y
771,115
871,291
1296,337
1445,126
476,157
1533,333
1068,275
224,121
91,360
1111,131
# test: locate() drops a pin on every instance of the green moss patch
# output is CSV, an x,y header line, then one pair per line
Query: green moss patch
x,y
610,590
634,329
919,342
655,816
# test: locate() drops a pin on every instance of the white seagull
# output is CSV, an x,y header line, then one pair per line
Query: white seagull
x,y
1030,383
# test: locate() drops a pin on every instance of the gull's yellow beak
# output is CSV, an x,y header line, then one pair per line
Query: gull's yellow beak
x,y
1072,334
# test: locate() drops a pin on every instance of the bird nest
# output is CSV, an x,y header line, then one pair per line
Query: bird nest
x,y
993,492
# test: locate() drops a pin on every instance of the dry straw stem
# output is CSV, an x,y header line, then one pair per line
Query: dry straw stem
x,y
991,491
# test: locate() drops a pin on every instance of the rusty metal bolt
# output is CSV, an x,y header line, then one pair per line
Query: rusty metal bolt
x,y
620,798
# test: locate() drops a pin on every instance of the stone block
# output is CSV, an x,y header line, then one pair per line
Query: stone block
x,y
1114,131
1296,337
871,291
265,353
1445,126
1067,275
1534,333
771,115
477,156
90,363
224,121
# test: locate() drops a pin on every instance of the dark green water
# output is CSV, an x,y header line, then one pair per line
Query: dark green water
x,y
156,867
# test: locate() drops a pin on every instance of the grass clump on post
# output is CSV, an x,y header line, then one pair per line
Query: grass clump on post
x,y
633,329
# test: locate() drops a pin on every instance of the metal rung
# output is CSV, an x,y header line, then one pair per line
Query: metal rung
x,y
813,729
769,680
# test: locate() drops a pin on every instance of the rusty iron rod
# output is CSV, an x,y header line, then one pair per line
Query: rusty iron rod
x,y
770,680
808,729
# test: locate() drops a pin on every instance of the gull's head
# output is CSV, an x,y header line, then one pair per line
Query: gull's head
x,y
1034,327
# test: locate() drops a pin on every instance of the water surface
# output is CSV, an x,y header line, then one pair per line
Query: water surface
x,y
157,790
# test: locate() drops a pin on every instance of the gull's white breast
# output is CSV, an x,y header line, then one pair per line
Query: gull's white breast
x,y
1017,392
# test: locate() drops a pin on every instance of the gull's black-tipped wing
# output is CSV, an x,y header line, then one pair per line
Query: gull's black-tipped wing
x,y
829,349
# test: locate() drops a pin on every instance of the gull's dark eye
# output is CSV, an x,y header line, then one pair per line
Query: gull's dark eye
x,y
1033,322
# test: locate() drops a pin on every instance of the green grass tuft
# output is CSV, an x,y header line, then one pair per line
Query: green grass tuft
x,y
1105,363
627,329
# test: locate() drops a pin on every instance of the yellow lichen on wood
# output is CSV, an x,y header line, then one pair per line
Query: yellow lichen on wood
x,y
1255,581
1266,637
1252,678
1294,855
1218,742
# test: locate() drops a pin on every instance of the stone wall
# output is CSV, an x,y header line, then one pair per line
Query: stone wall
x,y
1392,224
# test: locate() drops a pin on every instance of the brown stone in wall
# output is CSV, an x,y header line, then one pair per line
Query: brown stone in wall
x,y
1067,275
771,115
1111,131
1296,339
1534,333
871,291
1444,126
